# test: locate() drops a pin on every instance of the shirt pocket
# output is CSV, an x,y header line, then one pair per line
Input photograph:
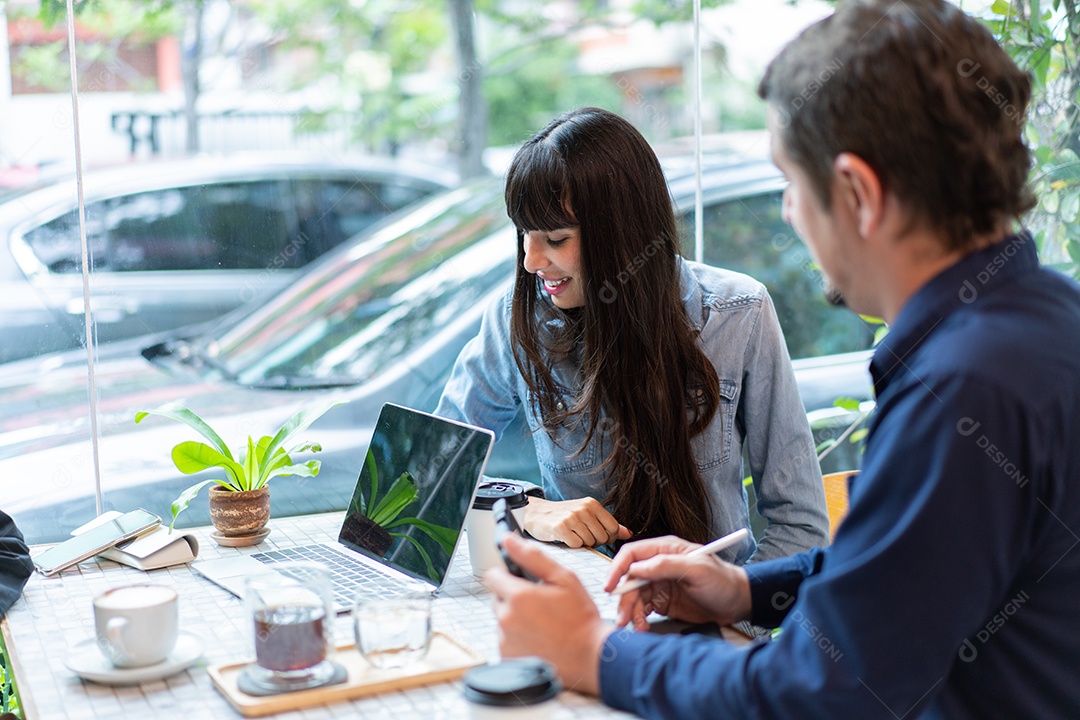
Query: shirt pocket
x,y
559,454
712,447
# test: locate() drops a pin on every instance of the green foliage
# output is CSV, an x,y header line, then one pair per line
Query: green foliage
x,y
106,24
1044,38
524,87
267,458
9,696
119,18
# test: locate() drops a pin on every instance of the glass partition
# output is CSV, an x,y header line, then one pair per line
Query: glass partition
x,y
289,202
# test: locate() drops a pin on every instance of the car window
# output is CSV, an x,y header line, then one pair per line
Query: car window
x,y
360,316
396,196
202,227
749,235
56,243
331,211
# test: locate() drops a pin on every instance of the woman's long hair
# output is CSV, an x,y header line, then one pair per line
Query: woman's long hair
x,y
638,351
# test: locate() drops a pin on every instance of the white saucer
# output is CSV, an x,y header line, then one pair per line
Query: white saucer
x,y
86,661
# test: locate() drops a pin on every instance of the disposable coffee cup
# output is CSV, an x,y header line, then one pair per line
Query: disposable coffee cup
x,y
520,688
136,625
480,522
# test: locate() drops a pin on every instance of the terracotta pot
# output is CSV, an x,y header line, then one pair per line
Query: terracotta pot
x,y
239,513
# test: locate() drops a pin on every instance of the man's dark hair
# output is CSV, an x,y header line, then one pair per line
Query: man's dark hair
x,y
921,92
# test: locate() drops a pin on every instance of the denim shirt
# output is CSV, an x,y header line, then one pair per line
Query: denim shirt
x,y
759,411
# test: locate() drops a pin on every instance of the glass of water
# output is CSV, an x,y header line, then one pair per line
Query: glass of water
x,y
393,632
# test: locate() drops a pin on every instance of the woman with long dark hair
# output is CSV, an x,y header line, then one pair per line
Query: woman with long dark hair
x,y
642,375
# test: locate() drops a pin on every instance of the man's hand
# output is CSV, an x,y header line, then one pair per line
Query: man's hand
x,y
694,589
555,619
578,523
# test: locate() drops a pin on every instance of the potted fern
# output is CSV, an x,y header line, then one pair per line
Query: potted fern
x,y
240,500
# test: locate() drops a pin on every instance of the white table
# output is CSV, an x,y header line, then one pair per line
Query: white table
x,y
56,613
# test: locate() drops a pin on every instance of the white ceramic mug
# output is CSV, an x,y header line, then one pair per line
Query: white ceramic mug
x,y
480,522
137,625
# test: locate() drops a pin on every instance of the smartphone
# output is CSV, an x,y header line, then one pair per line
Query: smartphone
x,y
93,541
506,523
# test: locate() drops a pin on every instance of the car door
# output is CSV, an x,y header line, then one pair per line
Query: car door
x,y
171,257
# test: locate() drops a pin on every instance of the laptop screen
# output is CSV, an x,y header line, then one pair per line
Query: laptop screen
x,y
414,489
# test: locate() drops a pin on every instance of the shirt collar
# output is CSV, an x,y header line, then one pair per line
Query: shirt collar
x,y
693,297
974,275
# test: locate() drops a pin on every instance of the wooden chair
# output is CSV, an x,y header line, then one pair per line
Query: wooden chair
x,y
836,497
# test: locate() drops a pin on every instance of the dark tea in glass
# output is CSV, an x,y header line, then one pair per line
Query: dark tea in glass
x,y
290,637
291,614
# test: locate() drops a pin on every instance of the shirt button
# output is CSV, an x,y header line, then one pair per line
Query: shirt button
x,y
559,405
700,392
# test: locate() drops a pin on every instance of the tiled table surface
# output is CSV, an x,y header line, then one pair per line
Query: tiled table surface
x,y
56,613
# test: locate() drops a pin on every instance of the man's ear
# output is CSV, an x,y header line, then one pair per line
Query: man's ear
x,y
858,189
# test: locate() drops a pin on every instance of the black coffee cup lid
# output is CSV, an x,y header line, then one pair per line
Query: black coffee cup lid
x,y
518,681
489,492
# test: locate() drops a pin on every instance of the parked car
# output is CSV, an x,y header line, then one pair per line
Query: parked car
x,y
180,242
381,318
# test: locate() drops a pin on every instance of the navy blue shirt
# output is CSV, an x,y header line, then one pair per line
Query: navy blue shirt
x,y
951,588
15,563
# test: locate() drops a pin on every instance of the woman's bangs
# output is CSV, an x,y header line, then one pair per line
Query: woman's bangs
x,y
537,197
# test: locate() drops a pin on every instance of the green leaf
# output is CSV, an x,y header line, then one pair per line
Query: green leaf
x,y
1070,206
251,466
1073,246
423,553
1001,7
847,404
1068,156
306,447
446,537
278,461
305,469
260,448
824,445
181,503
1050,201
176,411
191,457
858,436
401,494
373,472
296,424
1042,58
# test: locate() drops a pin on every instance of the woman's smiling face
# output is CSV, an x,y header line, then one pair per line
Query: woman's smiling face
x,y
554,256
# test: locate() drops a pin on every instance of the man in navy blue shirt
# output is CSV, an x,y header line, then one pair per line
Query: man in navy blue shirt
x,y
950,589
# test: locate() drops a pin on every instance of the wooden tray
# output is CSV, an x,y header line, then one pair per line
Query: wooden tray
x,y
446,660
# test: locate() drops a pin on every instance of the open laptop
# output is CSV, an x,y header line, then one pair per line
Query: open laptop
x,y
405,517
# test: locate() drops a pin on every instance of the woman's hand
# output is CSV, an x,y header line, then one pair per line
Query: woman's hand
x,y
578,523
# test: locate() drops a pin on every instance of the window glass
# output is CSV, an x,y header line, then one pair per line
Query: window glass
x,y
749,235
359,316
329,211
202,227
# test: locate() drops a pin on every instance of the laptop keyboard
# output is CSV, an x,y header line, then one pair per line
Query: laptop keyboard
x,y
351,579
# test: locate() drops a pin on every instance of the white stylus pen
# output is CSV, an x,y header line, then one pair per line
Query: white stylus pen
x,y
715,546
